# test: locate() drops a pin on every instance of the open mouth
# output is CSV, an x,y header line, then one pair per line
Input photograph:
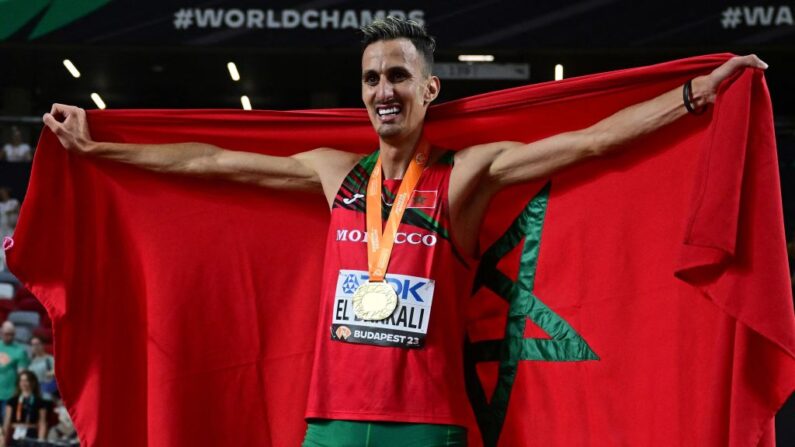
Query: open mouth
x,y
388,111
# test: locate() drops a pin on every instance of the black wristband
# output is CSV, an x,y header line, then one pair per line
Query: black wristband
x,y
687,98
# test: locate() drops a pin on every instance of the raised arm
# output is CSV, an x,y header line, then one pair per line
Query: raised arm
x,y
319,170
505,163
483,170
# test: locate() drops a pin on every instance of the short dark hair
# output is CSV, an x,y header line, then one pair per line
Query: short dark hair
x,y
392,28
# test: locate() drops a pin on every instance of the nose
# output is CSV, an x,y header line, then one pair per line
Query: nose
x,y
385,91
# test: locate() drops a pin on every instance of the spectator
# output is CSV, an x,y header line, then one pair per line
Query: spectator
x,y
26,412
9,209
13,360
43,365
64,430
16,150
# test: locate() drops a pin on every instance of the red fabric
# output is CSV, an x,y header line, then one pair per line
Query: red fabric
x,y
184,310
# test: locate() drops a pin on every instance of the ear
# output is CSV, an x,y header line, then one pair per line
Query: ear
x,y
432,90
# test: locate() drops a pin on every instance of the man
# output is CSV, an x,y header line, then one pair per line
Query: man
x,y
13,360
371,381
16,150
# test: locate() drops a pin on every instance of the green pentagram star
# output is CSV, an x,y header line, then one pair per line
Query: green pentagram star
x,y
564,344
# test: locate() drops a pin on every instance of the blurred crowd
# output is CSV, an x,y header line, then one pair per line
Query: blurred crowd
x,y
16,154
31,409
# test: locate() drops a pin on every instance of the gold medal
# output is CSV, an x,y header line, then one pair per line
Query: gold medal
x,y
374,301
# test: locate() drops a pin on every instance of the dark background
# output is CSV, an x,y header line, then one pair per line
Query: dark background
x,y
134,57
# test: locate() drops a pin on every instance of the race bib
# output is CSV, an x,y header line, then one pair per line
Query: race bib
x,y
405,328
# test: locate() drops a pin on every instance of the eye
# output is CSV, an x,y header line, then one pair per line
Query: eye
x,y
371,79
398,76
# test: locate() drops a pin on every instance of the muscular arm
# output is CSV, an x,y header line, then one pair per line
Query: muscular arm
x,y
319,170
206,160
509,162
483,170
516,162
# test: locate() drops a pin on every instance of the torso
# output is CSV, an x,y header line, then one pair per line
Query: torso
x,y
40,365
17,153
413,371
12,356
25,411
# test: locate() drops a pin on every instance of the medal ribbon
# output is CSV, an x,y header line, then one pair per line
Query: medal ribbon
x,y
379,245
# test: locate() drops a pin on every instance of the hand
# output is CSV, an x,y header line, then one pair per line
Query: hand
x,y
69,124
706,87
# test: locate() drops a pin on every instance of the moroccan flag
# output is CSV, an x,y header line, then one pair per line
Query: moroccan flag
x,y
424,199
637,300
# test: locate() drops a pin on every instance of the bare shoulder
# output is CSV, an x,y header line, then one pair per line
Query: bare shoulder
x,y
330,165
470,176
327,155
470,190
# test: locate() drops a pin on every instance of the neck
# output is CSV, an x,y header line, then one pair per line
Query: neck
x,y
396,156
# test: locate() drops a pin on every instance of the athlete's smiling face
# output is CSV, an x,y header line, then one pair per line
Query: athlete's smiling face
x,y
396,88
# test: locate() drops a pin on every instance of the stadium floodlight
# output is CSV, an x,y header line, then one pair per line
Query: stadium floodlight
x,y
476,58
246,102
233,71
558,72
98,100
71,67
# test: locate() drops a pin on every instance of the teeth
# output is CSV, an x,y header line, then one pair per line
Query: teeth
x,y
389,111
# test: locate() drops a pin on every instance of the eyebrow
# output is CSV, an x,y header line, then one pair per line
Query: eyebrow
x,y
396,68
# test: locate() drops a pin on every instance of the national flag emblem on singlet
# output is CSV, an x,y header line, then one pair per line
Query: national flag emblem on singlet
x,y
423,199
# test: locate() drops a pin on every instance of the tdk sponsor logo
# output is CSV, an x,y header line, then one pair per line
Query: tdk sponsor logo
x,y
429,240
406,287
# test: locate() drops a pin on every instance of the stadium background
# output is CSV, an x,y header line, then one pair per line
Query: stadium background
x,y
301,55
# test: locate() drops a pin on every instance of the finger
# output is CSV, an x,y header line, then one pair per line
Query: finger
x,y
57,108
759,63
62,110
753,60
52,123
